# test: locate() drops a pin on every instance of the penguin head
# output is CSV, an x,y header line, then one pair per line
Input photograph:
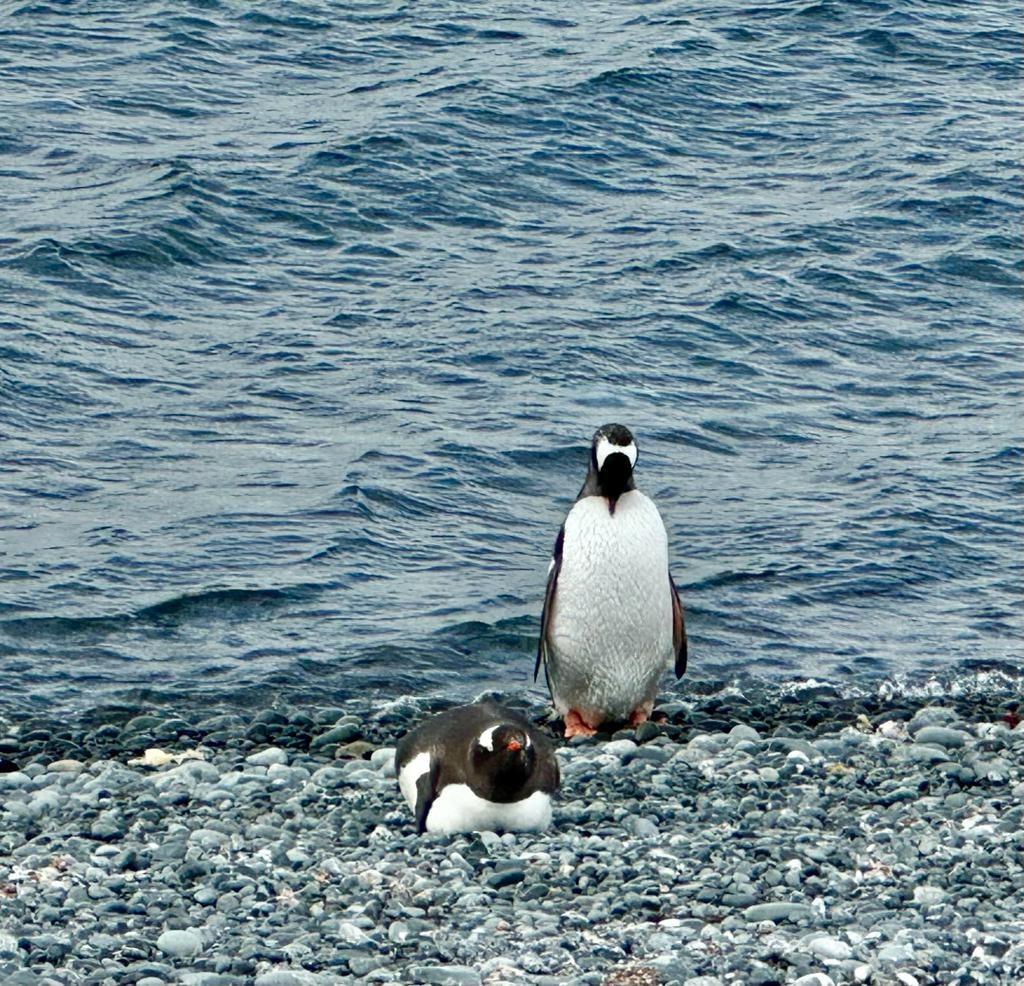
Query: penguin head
x,y
613,455
504,753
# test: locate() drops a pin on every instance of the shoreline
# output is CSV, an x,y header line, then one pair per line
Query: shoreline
x,y
842,839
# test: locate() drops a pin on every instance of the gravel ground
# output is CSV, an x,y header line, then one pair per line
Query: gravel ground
x,y
806,838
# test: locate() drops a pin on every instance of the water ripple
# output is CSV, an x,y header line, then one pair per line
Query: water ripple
x,y
309,311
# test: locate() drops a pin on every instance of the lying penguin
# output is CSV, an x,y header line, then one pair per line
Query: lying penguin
x,y
612,621
477,768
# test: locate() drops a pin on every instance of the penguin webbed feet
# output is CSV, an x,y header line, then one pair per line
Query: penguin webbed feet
x,y
641,714
576,725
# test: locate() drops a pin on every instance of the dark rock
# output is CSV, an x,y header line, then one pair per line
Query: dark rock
x,y
505,878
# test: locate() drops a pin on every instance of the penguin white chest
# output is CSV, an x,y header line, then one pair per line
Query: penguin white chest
x,y
610,631
458,809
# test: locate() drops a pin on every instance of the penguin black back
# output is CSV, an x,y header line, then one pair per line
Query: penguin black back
x,y
477,767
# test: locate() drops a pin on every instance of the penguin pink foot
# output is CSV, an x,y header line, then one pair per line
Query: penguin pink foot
x,y
640,714
576,725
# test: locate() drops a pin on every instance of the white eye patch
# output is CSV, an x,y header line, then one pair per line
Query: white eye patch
x,y
606,448
486,738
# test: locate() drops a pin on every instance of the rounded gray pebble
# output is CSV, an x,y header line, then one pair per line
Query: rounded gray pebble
x,y
181,944
264,758
777,911
449,975
670,866
942,736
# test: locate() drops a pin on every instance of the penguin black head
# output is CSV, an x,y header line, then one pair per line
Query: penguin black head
x,y
502,758
613,455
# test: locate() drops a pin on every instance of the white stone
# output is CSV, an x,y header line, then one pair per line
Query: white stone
x,y
264,758
350,934
741,732
893,729
181,944
928,895
831,948
66,766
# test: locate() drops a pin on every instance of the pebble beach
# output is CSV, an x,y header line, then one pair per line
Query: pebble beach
x,y
800,838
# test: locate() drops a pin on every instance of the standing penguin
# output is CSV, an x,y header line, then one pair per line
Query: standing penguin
x,y
612,619
476,768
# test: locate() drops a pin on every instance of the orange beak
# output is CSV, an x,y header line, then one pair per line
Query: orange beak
x,y
514,746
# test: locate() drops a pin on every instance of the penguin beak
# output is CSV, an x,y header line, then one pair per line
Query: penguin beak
x,y
613,477
514,745
616,465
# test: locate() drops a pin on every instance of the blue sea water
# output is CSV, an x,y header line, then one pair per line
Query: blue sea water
x,y
308,312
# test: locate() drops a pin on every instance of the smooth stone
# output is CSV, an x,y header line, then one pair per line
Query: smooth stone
x,y
339,734
895,952
831,948
653,754
187,774
790,744
329,777
505,878
142,724
68,766
928,895
181,944
447,975
741,733
642,828
942,736
931,715
814,979
284,977
926,753
738,899
281,977
646,731
264,758
351,934
108,826
363,965
620,748
271,717
777,911
14,779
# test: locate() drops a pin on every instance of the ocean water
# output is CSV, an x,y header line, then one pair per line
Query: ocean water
x,y
309,311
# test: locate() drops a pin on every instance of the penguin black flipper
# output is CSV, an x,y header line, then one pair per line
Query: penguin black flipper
x,y
426,792
549,601
678,629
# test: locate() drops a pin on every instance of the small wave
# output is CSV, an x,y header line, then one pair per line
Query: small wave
x,y
780,242
213,605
